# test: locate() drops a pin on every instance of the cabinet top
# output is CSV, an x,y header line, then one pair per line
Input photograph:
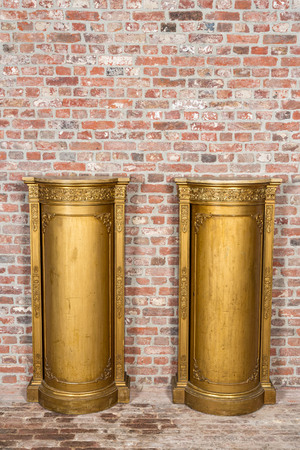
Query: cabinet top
x,y
75,180
222,181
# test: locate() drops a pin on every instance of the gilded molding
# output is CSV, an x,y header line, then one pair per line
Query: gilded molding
x,y
269,218
36,292
210,194
119,218
105,218
200,220
37,366
267,293
184,192
184,217
184,292
46,218
76,194
34,212
120,192
33,190
119,292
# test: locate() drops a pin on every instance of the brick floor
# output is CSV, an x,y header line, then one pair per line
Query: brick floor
x,y
150,421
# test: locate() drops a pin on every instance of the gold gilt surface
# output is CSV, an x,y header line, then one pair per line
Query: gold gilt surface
x,y
77,252
225,294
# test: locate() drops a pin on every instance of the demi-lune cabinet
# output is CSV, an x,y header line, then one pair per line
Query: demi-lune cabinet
x,y
225,294
77,280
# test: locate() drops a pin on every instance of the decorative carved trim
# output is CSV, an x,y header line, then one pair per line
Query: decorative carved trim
x,y
209,194
120,192
265,367
34,211
46,218
33,190
184,192
267,293
260,222
37,366
75,194
197,372
119,218
36,292
119,292
105,218
119,367
105,375
184,217
270,192
269,218
184,291
183,366
198,375
255,374
200,220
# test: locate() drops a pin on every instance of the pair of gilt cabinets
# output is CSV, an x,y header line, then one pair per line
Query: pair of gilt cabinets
x,y
225,294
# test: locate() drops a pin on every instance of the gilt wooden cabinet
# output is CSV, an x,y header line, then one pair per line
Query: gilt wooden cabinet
x,y
225,294
77,272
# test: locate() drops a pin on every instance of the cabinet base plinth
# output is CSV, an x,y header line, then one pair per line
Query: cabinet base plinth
x,y
33,391
178,391
75,403
123,390
224,404
270,393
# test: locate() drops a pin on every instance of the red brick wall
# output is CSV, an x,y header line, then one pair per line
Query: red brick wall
x,y
150,89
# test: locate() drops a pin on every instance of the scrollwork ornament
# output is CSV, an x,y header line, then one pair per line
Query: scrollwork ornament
x,y
184,209
265,367
37,367
184,292
119,218
120,192
255,374
183,366
46,218
260,222
270,192
269,218
119,292
105,218
34,210
267,301
200,220
75,194
184,192
119,367
36,292
105,375
210,194
33,190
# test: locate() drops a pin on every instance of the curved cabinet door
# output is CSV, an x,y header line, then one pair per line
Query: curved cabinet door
x,y
226,264
77,268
